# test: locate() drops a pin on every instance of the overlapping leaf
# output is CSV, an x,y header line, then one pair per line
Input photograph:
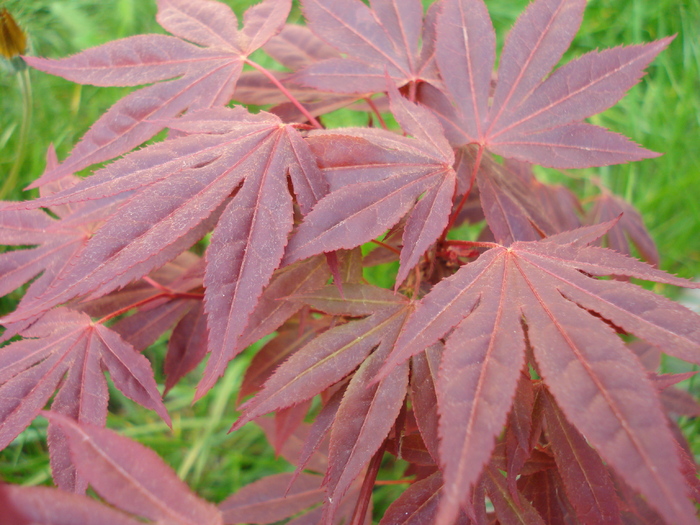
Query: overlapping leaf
x,y
294,47
629,231
132,477
535,117
546,291
376,178
334,354
364,419
384,37
270,499
65,350
203,75
182,190
50,506
589,487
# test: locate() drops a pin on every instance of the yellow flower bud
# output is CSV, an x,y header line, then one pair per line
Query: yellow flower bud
x,y
13,41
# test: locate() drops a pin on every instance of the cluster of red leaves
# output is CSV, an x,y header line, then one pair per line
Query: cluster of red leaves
x,y
500,369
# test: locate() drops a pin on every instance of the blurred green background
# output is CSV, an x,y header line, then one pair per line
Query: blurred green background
x,y
662,113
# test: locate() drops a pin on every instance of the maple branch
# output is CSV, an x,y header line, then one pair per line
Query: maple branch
x,y
156,284
412,86
375,110
171,295
286,93
403,481
472,178
129,307
472,244
385,245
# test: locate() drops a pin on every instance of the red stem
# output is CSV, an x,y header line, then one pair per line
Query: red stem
x,y
375,110
172,295
286,93
384,245
412,91
472,178
403,481
472,244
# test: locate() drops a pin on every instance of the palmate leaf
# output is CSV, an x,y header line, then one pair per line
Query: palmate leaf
x,y
629,231
334,354
132,477
64,343
50,506
382,38
376,177
182,190
534,117
271,499
546,291
203,75
588,485
364,419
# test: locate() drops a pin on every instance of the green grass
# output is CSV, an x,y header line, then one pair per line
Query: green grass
x,y
662,113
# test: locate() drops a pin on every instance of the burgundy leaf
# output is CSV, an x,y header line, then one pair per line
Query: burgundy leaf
x,y
131,476
357,299
319,431
518,440
533,47
66,342
629,230
534,117
49,506
545,491
268,501
417,504
187,346
287,420
364,419
176,209
377,39
293,448
323,362
206,76
270,356
296,46
424,372
509,510
540,281
366,207
465,52
588,485
272,311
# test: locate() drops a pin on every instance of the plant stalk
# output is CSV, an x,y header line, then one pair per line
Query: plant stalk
x,y
26,90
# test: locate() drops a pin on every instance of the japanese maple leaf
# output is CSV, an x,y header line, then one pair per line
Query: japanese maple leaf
x,y
183,187
56,242
65,350
534,116
518,207
201,74
335,353
171,295
376,177
294,47
545,292
629,230
384,37
132,479
365,415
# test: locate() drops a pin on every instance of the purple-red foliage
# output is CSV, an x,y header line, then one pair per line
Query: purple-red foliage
x,y
498,367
